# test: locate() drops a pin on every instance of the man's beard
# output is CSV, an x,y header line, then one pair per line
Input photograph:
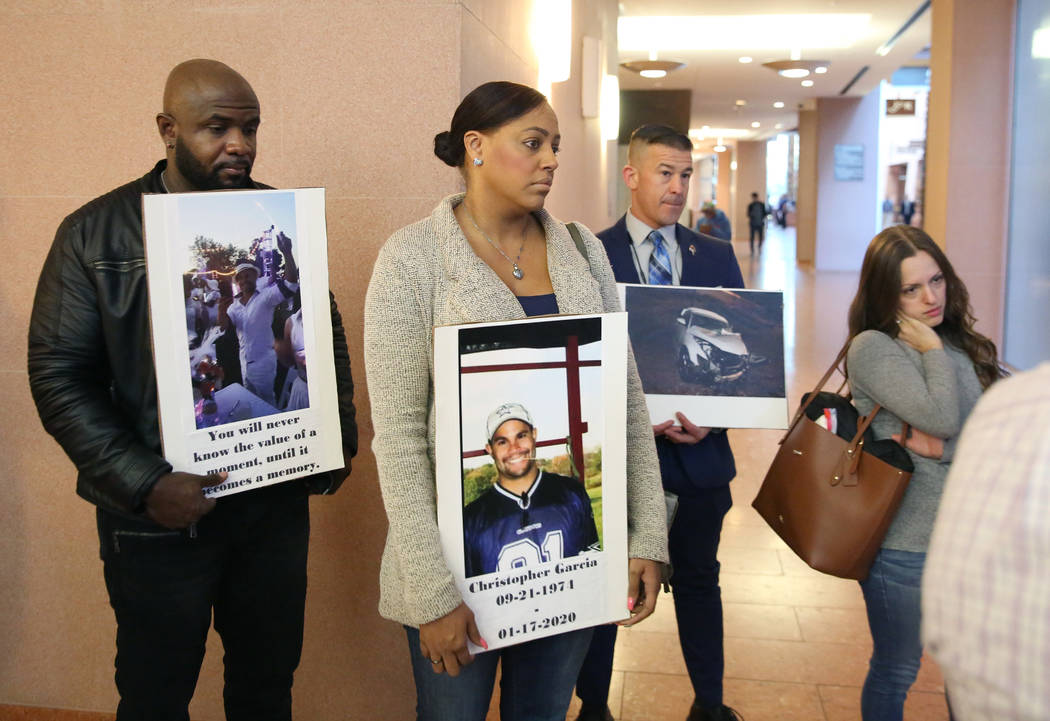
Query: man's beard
x,y
198,176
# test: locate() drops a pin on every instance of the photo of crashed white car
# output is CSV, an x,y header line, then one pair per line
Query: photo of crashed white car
x,y
708,350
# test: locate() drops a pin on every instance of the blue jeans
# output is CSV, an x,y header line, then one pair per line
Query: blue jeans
x,y
536,684
891,594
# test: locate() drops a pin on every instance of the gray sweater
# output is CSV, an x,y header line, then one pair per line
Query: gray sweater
x,y
428,275
934,392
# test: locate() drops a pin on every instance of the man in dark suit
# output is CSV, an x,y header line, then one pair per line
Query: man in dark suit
x,y
648,245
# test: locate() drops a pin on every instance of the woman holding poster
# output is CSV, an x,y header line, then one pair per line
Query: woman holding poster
x,y
490,254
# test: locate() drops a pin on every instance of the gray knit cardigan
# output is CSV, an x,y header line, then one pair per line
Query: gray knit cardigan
x,y
428,275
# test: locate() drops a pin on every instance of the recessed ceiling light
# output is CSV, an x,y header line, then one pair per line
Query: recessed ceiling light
x,y
745,59
653,73
756,124
794,72
741,103
807,83
820,69
778,104
719,148
778,126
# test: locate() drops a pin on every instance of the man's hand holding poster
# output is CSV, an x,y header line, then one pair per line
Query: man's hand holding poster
x,y
531,417
242,334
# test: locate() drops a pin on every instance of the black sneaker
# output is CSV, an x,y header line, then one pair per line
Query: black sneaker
x,y
595,713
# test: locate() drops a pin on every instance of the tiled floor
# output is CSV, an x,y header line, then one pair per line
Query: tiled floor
x,y
797,643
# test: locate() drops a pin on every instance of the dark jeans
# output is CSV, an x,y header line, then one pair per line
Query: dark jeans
x,y
760,232
246,560
693,542
535,683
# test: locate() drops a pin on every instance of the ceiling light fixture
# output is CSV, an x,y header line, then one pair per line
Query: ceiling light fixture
x,y
778,104
807,83
745,59
796,68
778,126
820,69
756,124
652,68
741,103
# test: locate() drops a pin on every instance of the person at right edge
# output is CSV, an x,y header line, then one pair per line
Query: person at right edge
x,y
648,245
914,351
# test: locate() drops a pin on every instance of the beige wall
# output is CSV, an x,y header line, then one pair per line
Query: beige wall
x,y
589,171
848,212
750,177
352,94
806,205
836,218
968,147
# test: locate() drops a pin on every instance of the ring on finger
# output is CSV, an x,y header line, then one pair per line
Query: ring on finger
x,y
437,662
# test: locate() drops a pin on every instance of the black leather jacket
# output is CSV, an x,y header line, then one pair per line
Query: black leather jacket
x,y
90,359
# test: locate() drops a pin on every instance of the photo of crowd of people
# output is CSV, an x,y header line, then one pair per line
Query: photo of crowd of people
x,y
244,322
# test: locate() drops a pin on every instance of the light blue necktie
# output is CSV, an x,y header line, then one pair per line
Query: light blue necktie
x,y
659,261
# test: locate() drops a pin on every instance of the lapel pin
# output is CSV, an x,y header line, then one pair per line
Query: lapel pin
x,y
692,249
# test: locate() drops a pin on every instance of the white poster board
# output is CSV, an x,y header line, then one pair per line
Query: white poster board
x,y
713,354
528,565
214,394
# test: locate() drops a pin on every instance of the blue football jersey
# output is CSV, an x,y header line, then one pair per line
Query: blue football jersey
x,y
550,521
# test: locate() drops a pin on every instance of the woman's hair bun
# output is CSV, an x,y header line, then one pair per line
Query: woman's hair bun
x,y
446,149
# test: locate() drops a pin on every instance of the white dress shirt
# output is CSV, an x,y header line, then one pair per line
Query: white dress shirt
x,y
642,248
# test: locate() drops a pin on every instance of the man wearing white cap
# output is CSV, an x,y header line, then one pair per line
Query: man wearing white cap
x,y
251,313
528,516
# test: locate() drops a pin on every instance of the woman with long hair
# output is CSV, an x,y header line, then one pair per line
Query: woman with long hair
x,y
914,351
489,254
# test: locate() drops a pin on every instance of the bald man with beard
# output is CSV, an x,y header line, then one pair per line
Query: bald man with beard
x,y
172,557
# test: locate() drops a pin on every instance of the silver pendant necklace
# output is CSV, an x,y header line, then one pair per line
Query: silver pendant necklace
x,y
517,272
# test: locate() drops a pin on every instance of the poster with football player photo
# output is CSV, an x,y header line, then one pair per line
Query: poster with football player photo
x,y
531,480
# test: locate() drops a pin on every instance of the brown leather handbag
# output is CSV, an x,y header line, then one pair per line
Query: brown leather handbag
x,y
832,498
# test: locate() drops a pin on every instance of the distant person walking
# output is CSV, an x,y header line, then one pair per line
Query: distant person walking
x,y
756,217
907,211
